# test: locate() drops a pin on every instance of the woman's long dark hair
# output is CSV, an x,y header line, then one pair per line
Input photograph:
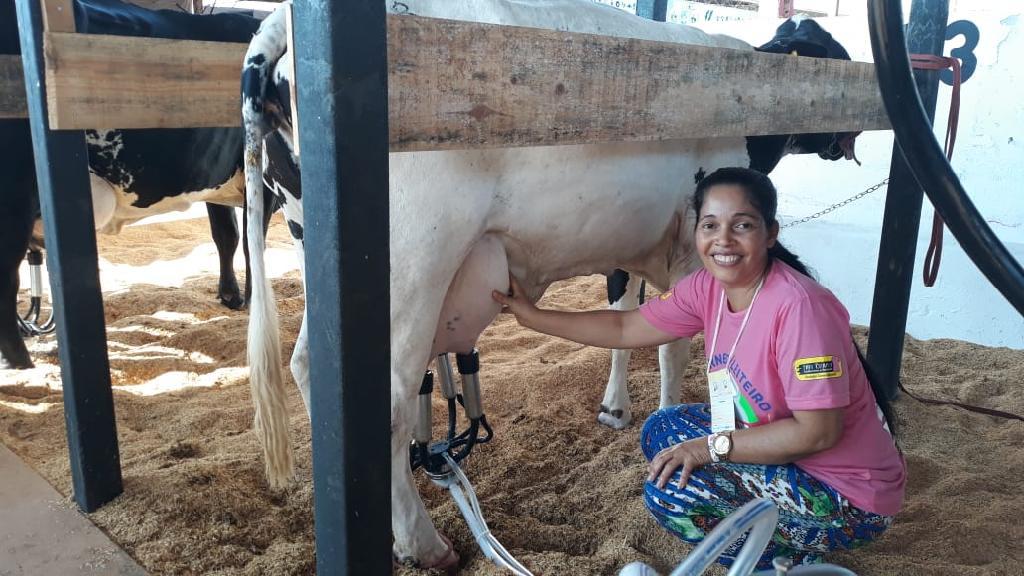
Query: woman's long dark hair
x,y
764,198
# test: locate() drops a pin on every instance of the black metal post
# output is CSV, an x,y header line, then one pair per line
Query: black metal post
x,y
62,170
660,12
901,222
341,76
652,9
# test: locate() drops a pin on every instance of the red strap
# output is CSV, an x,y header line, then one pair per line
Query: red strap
x,y
933,257
929,62
968,407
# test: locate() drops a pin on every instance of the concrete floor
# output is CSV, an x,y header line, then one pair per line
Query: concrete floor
x,y
43,534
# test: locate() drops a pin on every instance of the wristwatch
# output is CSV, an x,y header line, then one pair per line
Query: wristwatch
x,y
719,446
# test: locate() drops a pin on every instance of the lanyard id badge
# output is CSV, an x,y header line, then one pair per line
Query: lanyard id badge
x,y
723,413
720,384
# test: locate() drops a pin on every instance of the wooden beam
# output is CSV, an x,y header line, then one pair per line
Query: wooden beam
x,y
459,85
97,81
58,16
12,88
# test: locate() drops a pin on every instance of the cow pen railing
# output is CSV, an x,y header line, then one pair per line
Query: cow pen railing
x,y
456,84
502,86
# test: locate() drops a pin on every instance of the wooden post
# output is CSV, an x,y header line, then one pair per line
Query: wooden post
x,y
785,8
66,203
58,16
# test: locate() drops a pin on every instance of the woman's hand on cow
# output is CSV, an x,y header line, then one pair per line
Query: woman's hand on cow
x,y
689,456
515,301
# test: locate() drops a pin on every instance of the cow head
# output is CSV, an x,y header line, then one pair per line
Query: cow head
x,y
802,36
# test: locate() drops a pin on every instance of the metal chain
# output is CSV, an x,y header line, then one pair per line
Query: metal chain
x,y
833,207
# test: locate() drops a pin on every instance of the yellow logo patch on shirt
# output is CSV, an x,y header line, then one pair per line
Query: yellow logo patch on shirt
x,y
818,367
665,295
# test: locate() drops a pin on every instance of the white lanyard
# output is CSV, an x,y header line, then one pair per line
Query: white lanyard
x,y
721,386
718,323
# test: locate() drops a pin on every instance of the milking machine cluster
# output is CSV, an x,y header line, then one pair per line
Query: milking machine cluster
x,y
441,459
29,324
432,456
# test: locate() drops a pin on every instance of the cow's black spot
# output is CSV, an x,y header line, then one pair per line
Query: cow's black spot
x,y
281,169
617,282
296,229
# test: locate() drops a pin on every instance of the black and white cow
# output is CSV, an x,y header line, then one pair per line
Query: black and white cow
x,y
800,36
462,220
133,173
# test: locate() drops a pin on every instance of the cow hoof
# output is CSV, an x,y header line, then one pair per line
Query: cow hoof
x,y
232,301
448,563
615,419
19,360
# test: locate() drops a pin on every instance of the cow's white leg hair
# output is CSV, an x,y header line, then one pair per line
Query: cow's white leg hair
x,y
616,407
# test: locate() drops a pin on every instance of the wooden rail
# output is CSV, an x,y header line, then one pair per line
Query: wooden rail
x,y
459,85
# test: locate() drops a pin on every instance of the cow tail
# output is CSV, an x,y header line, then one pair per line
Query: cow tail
x,y
264,340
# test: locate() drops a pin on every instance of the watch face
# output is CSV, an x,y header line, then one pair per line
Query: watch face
x,y
722,444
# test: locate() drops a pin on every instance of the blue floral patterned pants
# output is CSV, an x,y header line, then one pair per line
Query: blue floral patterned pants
x,y
813,516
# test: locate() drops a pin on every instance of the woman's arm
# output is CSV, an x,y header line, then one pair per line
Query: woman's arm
x,y
602,328
782,442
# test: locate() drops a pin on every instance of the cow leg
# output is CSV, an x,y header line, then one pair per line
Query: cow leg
x,y
623,294
674,356
13,352
457,293
672,360
224,228
15,233
300,361
416,540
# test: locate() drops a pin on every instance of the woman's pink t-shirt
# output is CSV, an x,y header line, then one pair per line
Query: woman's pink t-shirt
x,y
796,353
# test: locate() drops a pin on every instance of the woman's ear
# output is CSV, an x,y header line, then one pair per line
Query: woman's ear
x,y
773,233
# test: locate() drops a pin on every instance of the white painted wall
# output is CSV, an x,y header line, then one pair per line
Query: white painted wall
x,y
989,159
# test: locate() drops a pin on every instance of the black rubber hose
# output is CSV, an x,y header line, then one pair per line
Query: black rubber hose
x,y
925,158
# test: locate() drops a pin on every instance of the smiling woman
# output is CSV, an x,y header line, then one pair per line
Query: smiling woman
x,y
793,415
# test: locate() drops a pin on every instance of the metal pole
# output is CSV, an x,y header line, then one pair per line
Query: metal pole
x,y
62,171
901,222
341,77
660,12
652,9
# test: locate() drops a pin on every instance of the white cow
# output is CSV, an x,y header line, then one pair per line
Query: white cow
x,y
462,220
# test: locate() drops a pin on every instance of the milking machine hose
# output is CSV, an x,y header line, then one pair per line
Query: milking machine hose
x,y
925,158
